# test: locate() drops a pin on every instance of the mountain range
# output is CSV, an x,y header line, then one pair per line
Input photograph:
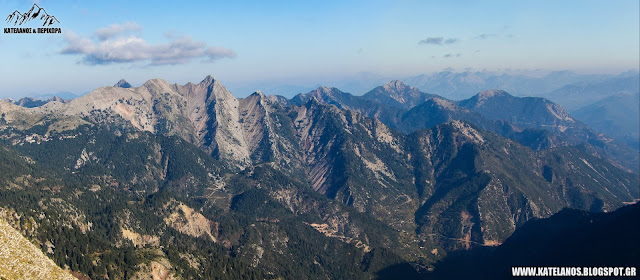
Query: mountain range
x,y
578,95
189,181
568,89
615,116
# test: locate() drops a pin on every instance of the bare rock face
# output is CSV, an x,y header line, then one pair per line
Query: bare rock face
x,y
188,221
20,259
160,269
222,133
259,116
205,114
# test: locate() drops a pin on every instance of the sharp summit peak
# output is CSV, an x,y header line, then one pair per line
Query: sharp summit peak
x,y
323,89
208,79
396,84
492,93
123,84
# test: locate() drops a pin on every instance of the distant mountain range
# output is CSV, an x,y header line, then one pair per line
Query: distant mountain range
x,y
30,102
190,181
38,100
533,121
568,89
577,95
464,84
615,116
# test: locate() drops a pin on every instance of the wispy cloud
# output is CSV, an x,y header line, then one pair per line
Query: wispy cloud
x,y
437,41
449,55
484,36
450,41
431,41
113,46
214,53
116,29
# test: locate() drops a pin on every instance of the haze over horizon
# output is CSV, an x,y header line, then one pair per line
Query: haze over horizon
x,y
290,43
390,140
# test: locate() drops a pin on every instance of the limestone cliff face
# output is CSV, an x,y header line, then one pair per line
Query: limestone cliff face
x,y
239,132
22,260
205,114
214,114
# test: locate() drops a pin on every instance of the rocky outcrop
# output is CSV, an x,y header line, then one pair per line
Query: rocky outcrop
x,y
398,94
123,84
188,221
19,259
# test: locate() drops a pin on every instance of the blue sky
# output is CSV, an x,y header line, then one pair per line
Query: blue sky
x,y
293,41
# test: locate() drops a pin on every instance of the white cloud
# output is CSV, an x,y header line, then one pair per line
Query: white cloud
x,y
77,44
115,29
214,53
113,47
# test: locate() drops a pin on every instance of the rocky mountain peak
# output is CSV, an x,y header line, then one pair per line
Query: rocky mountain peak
x,y
208,80
398,94
258,93
153,82
323,90
396,85
485,94
55,99
158,86
123,84
322,93
256,98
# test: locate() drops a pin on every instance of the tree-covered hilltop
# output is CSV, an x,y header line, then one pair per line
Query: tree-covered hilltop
x,y
112,206
570,238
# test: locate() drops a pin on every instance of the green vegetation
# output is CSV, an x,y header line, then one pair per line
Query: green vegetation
x,y
332,195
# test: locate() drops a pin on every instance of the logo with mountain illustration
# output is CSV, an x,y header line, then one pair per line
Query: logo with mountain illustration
x,y
36,13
